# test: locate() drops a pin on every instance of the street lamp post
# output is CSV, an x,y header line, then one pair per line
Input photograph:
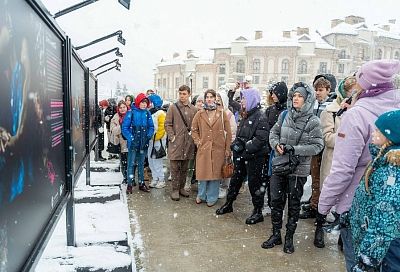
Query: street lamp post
x,y
117,53
125,3
120,39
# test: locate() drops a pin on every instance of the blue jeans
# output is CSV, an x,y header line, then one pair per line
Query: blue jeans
x,y
208,190
348,249
135,158
391,262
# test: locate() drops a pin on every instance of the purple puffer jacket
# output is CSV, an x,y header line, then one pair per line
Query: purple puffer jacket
x,y
351,154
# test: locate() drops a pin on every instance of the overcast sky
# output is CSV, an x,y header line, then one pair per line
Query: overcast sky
x,y
158,28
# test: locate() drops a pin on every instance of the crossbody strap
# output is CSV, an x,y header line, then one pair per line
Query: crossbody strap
x,y
183,118
301,134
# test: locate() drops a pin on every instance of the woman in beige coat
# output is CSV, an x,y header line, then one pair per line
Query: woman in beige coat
x,y
116,137
212,135
330,124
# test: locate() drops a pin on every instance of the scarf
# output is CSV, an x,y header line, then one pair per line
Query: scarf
x,y
121,117
377,90
210,107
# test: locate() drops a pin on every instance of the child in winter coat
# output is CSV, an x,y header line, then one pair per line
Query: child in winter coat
x,y
138,129
157,142
375,211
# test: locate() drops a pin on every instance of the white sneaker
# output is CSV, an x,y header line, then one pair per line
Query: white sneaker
x,y
222,193
153,184
160,185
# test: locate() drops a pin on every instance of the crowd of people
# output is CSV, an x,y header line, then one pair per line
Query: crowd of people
x,y
345,136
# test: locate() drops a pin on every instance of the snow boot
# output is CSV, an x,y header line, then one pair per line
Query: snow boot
x,y
143,187
273,240
226,208
288,247
255,217
129,189
319,232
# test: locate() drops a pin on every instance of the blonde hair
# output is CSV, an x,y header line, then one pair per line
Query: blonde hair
x,y
369,169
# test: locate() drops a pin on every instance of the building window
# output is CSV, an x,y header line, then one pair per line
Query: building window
x,y
342,54
205,82
380,54
177,82
285,79
256,79
323,67
159,82
302,79
341,68
256,65
302,67
240,66
396,55
222,69
285,66
240,78
221,81
164,83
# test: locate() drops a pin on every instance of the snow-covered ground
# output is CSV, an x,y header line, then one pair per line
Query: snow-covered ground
x,y
103,237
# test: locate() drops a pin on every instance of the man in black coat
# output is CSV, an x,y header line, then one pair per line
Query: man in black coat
x,y
250,148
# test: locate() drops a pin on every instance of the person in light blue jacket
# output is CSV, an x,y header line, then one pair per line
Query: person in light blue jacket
x,y
138,129
375,211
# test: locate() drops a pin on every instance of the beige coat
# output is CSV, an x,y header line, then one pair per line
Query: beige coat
x,y
180,142
329,130
116,136
211,144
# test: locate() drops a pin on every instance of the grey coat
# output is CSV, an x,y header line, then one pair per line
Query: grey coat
x,y
311,142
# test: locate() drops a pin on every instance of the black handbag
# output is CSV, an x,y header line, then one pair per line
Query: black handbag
x,y
113,149
158,154
286,164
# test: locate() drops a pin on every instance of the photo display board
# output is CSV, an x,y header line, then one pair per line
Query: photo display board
x,y
78,113
92,110
32,150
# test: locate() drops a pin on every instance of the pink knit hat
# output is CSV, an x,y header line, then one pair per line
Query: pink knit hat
x,y
374,73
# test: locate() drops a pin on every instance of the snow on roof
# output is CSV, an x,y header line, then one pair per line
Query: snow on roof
x,y
342,28
271,42
175,61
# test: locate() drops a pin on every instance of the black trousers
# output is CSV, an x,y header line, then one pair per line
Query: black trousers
x,y
266,180
124,164
101,141
282,188
251,168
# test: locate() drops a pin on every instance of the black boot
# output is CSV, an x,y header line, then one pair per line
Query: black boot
x,y
340,243
101,156
273,240
288,247
226,208
319,232
255,217
308,212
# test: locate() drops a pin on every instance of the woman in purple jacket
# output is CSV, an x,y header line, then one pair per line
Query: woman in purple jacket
x,y
376,95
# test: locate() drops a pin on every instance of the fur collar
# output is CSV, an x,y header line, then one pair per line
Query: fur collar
x,y
393,157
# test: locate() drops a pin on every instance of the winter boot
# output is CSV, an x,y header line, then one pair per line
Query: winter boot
x,y
308,212
182,190
255,217
319,232
143,187
175,189
175,195
226,208
101,156
288,247
273,240
129,189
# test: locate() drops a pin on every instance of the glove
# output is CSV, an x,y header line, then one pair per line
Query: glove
x,y
288,149
366,264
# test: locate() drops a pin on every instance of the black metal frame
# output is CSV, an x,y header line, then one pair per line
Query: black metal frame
x,y
105,64
109,69
43,239
116,49
120,39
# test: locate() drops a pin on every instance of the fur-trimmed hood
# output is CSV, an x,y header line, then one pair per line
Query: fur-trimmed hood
x,y
393,156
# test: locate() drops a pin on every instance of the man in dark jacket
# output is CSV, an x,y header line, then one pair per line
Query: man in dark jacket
x,y
250,148
278,93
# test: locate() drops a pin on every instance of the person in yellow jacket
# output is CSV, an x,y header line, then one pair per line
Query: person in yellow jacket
x,y
157,143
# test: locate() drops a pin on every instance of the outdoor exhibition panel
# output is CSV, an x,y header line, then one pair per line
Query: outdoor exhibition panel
x,y
32,147
92,99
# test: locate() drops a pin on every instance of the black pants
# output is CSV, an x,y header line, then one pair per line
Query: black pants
x,y
124,164
251,168
266,180
283,188
101,141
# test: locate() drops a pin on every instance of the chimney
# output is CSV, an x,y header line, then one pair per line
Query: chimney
x,y
392,21
302,30
352,20
335,22
286,34
386,27
175,55
258,35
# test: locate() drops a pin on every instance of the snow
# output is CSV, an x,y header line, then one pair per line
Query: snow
x,y
102,229
342,28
